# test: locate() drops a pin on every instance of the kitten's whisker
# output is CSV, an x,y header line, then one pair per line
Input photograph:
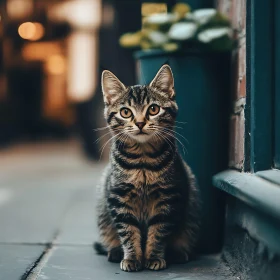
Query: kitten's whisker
x,y
166,140
126,136
170,126
122,140
176,138
113,129
103,147
171,144
118,139
98,139
172,135
101,128
109,132
160,139
177,134
173,131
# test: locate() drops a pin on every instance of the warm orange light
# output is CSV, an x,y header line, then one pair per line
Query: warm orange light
x,y
40,31
32,31
18,9
27,30
40,50
56,65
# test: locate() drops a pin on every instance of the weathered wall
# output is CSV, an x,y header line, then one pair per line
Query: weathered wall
x,y
236,11
248,251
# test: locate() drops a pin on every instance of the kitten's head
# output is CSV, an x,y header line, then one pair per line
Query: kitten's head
x,y
140,112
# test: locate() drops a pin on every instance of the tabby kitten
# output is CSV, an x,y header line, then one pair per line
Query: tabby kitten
x,y
148,205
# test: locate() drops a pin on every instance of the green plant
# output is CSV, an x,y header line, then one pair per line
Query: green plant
x,y
203,29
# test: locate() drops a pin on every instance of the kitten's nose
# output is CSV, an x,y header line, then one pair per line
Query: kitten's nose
x,y
140,124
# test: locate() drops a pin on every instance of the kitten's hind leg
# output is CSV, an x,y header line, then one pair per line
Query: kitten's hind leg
x,y
99,248
180,246
115,255
176,256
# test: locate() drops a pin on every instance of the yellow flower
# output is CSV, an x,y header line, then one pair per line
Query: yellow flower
x,y
170,47
131,40
146,45
181,9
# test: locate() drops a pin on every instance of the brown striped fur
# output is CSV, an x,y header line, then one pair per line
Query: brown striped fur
x,y
148,205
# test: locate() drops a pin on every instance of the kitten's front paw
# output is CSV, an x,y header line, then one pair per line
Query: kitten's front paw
x,y
131,265
155,264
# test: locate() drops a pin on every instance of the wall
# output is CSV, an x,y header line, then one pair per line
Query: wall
x,y
248,249
236,11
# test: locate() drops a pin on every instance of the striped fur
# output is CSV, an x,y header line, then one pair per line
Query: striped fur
x,y
148,206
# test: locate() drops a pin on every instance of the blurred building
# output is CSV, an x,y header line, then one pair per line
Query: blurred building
x,y
34,70
51,55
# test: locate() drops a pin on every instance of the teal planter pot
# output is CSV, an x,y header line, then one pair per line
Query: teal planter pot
x,y
202,92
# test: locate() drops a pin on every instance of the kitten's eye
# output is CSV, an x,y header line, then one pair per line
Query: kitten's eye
x,y
153,110
126,113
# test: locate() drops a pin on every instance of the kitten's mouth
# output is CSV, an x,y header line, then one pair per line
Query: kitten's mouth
x,y
141,136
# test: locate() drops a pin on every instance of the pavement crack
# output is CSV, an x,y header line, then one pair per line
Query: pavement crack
x,y
34,270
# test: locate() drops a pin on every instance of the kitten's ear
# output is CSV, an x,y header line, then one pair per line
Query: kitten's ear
x,y
164,81
112,87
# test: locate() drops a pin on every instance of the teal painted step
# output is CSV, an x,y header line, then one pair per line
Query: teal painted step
x,y
202,93
252,245
260,196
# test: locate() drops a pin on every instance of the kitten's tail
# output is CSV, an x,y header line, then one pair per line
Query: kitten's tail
x,y
99,248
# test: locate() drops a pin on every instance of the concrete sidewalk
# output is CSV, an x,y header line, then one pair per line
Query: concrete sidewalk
x,y
48,222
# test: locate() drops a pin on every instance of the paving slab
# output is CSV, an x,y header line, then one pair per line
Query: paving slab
x,y
39,184
81,263
80,226
16,260
34,215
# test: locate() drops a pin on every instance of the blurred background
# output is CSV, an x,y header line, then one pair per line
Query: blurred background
x,y
52,53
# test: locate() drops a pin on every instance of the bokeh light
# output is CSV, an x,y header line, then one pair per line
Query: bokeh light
x,y
40,50
18,9
32,31
56,64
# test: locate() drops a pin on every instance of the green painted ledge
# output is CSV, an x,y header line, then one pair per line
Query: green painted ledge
x,y
255,204
272,175
253,189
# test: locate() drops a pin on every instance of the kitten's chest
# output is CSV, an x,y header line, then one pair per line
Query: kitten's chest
x,y
141,178
143,204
